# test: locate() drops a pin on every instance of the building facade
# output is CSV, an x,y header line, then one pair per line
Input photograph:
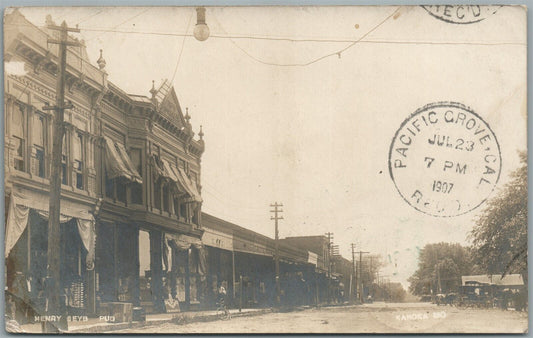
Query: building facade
x,y
243,262
326,280
131,171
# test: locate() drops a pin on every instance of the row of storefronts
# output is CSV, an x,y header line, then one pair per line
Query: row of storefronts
x,y
132,229
243,261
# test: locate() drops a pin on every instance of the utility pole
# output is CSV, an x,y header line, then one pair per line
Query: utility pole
x,y
276,211
437,267
379,285
330,242
353,272
53,284
439,286
361,274
371,273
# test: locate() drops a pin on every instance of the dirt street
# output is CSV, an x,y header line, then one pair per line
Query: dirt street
x,y
369,318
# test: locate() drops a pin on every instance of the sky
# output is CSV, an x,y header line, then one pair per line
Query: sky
x,y
309,123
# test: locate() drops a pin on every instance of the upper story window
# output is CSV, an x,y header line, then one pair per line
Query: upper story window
x,y
78,159
18,133
194,177
121,189
166,197
157,193
109,185
39,142
64,160
182,164
136,188
119,171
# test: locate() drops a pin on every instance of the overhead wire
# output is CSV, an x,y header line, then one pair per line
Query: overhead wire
x,y
90,16
63,13
182,46
340,40
274,38
73,53
316,59
123,22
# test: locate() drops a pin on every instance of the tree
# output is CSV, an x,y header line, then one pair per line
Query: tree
x,y
397,292
500,234
389,291
440,267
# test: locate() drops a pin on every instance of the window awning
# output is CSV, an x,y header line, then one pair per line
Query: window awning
x,y
182,242
158,171
118,162
170,173
179,177
18,215
190,186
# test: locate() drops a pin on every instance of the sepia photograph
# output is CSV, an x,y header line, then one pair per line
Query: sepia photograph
x,y
266,169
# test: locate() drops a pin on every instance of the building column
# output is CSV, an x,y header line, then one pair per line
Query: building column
x,y
9,155
90,169
136,269
115,261
187,280
156,268
91,292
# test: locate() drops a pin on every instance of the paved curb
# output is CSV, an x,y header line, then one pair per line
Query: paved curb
x,y
178,319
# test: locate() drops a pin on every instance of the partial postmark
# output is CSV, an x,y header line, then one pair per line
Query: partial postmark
x,y
445,160
461,14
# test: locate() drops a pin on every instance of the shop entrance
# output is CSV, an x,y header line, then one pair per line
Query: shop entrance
x,y
145,273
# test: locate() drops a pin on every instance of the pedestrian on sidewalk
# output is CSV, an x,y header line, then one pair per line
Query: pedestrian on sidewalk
x,y
222,301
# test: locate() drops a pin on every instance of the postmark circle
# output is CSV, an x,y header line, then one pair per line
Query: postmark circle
x,y
461,14
445,160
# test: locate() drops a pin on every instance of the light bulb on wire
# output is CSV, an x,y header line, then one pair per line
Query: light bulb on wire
x,y
201,31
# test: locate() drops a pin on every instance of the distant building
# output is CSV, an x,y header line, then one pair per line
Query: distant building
x,y
243,261
497,280
325,278
315,244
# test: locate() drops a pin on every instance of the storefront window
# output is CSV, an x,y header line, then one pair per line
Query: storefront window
x,y
73,267
144,267
105,262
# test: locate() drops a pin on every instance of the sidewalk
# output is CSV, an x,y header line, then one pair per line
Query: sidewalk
x,y
95,325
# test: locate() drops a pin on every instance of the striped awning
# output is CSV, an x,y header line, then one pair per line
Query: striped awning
x,y
191,186
118,162
169,173
182,181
